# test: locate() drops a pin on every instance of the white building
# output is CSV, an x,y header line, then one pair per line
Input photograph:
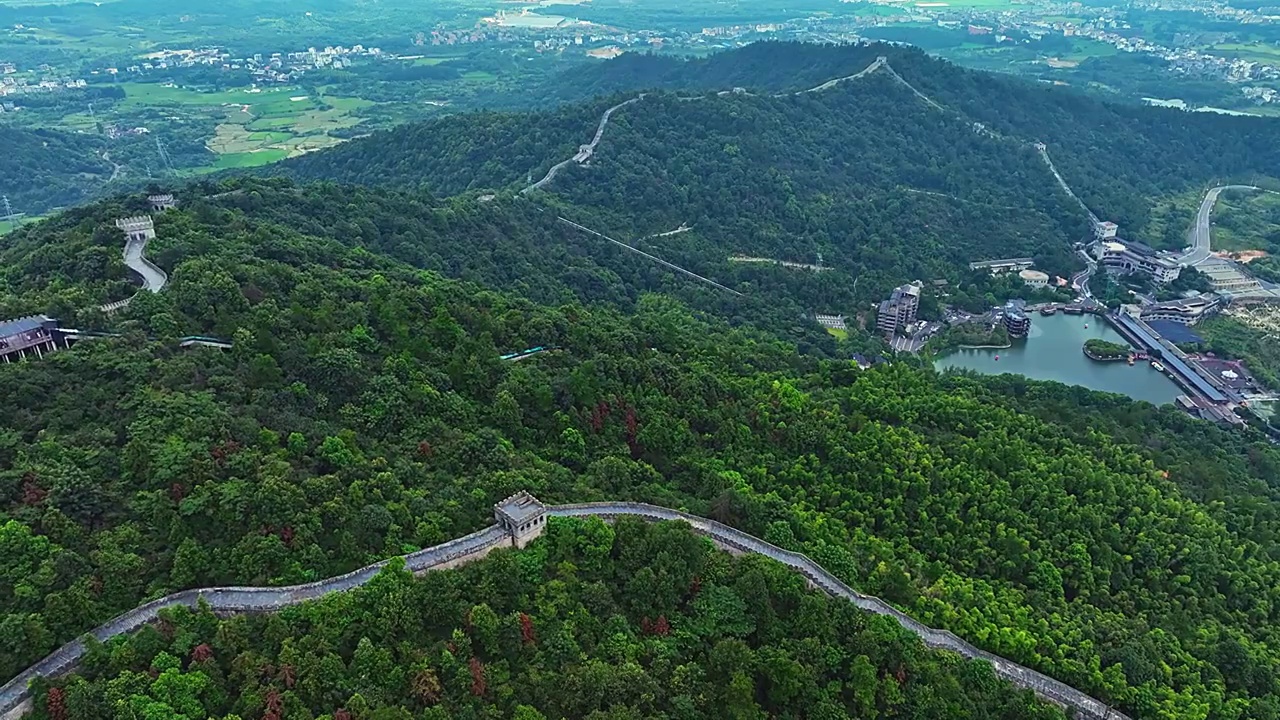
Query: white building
x,y
1122,258
1186,311
1034,278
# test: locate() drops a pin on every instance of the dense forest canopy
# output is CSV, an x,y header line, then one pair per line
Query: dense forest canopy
x,y
1119,158
363,412
571,627
44,169
882,186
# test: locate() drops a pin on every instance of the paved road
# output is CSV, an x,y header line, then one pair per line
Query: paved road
x,y
1080,281
1199,251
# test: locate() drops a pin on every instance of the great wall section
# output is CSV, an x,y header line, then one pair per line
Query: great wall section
x,y
520,519
528,521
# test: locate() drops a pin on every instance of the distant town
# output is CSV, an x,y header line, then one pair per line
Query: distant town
x,y
1257,81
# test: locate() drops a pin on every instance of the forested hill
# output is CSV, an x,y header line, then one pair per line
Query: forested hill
x,y
364,411
763,67
568,628
44,169
1119,158
863,174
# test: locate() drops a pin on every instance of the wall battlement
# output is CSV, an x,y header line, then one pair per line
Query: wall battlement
x,y
521,518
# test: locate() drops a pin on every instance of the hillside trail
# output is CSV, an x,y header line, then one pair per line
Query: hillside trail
x,y
880,64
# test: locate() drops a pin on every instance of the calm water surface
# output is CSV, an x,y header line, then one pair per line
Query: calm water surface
x,y
1053,352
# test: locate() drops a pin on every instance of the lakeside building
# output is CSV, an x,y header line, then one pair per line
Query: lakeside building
x,y
1184,311
1017,323
899,310
1033,278
1122,258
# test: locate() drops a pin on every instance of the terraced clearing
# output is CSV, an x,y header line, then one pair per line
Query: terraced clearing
x,y
1247,222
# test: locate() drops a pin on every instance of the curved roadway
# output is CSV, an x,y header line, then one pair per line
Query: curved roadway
x,y
1199,251
15,698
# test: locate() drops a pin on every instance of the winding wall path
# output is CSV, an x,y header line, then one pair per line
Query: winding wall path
x,y
15,697
879,63
586,151
153,278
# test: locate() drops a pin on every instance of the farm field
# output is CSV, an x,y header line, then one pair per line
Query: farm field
x,y
7,226
258,126
1257,52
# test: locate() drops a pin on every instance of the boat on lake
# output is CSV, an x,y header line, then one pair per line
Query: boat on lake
x,y
1157,365
1048,310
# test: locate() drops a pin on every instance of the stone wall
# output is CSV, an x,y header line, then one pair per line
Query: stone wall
x,y
737,541
15,696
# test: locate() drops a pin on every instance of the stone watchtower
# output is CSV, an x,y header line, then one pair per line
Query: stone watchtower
x,y
522,516
160,203
138,229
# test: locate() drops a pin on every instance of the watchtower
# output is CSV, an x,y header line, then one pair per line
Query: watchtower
x,y
160,203
522,516
139,229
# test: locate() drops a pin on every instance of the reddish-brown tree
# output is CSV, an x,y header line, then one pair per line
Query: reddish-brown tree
x,y
526,629
275,706
661,627
32,493
56,705
425,686
478,685
201,653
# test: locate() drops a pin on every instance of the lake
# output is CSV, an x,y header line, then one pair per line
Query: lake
x,y
1052,351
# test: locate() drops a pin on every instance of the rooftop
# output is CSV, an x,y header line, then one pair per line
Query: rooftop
x,y
9,328
1170,359
520,508
1191,304
908,289
996,263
